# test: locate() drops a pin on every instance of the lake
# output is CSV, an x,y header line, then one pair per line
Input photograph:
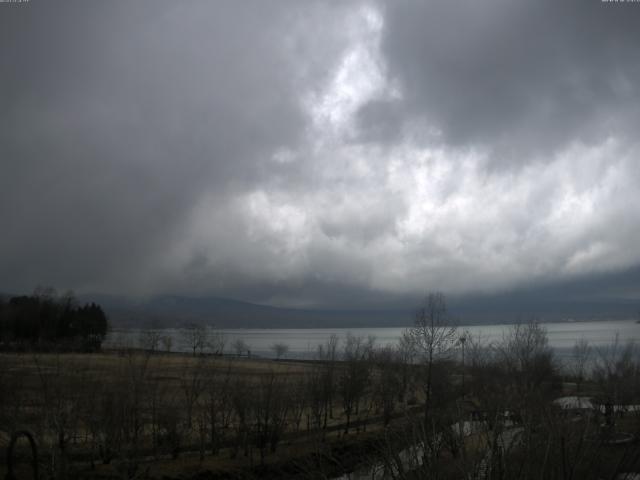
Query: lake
x,y
303,343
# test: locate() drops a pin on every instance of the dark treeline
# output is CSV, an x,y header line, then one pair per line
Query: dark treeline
x,y
45,320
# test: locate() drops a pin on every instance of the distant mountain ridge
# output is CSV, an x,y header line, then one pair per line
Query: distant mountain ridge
x,y
172,310
165,311
614,296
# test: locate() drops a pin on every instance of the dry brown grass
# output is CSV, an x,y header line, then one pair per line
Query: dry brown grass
x,y
80,373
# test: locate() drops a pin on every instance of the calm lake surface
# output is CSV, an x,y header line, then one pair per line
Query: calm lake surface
x,y
303,343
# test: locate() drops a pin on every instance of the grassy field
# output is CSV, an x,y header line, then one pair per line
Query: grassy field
x,y
133,414
147,401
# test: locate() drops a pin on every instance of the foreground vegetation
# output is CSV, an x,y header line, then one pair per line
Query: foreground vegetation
x,y
440,404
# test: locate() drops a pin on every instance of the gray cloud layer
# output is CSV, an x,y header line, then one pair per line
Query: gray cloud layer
x,y
315,153
526,76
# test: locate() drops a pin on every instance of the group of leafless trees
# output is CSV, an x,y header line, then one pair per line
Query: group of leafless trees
x,y
489,410
438,404
197,339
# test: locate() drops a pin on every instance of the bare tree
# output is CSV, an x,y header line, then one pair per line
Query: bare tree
x,y
406,356
617,372
219,406
433,337
316,397
579,363
280,349
462,341
240,347
60,410
216,341
269,410
171,427
133,392
195,337
11,393
354,376
486,384
241,400
298,399
527,357
167,343
387,382
149,340
192,384
328,355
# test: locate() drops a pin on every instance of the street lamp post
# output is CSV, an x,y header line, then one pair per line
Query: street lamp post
x,y
462,340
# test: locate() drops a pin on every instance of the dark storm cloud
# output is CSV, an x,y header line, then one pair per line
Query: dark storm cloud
x,y
116,118
525,76
317,153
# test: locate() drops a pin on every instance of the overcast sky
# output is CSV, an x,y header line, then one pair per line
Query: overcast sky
x,y
318,153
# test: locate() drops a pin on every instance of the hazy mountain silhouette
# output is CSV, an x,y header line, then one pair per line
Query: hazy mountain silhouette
x,y
602,297
173,310
545,304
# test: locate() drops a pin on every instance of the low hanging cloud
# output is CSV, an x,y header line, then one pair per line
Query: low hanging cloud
x,y
317,154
